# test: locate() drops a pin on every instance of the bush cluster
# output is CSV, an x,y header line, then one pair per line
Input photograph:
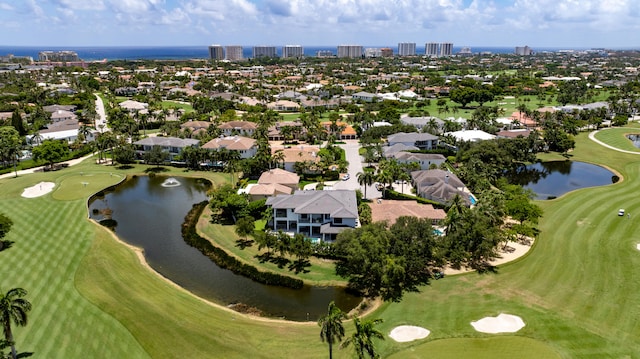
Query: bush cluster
x,y
225,261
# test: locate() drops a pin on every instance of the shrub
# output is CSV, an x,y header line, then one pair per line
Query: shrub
x,y
224,260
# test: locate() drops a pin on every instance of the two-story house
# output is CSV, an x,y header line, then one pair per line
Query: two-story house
x,y
243,128
172,145
424,141
245,146
319,215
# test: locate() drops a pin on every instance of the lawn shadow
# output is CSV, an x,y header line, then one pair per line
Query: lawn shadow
x,y
5,244
244,243
156,170
300,265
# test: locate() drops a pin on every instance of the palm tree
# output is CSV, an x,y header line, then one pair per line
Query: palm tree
x,y
362,339
366,179
13,308
331,326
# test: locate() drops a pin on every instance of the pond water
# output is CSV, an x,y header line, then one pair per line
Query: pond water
x,y
555,178
149,215
635,139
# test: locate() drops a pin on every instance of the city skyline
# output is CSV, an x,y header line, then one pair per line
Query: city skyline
x,y
542,23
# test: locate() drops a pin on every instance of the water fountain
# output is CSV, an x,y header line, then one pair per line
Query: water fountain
x,y
170,182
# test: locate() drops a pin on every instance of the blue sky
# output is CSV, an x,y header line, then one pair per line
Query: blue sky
x,y
537,23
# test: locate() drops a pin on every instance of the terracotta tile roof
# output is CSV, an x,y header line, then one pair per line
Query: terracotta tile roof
x,y
231,143
391,210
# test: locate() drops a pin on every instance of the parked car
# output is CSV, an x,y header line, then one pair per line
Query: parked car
x,y
346,177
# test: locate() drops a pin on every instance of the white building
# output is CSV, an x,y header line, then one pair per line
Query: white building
x,y
407,49
524,51
264,51
350,51
446,49
233,53
431,49
320,215
216,52
292,51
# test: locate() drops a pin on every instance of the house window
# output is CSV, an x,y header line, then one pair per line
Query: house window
x,y
281,212
337,220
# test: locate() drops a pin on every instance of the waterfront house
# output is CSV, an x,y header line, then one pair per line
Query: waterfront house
x,y
319,215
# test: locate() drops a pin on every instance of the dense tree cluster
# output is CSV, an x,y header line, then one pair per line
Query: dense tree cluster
x,y
381,261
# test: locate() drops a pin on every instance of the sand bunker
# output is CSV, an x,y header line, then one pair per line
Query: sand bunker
x,y
407,333
503,323
38,190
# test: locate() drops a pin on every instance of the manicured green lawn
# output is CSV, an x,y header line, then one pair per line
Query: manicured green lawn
x,y
501,347
321,272
577,290
616,137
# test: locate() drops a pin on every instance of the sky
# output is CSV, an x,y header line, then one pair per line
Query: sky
x,y
537,23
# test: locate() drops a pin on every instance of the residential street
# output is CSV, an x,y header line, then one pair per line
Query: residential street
x,y
351,148
101,121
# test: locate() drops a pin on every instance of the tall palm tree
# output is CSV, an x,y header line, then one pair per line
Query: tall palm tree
x,y
362,339
331,329
366,179
13,308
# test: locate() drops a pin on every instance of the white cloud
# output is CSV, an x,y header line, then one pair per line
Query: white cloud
x,y
220,10
175,17
5,6
96,5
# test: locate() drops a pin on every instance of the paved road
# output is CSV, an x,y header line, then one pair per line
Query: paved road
x,y
101,121
351,149
41,168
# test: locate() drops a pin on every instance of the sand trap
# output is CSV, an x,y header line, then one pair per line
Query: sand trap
x,y
38,190
503,323
407,333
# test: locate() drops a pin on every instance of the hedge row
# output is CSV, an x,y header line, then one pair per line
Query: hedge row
x,y
225,261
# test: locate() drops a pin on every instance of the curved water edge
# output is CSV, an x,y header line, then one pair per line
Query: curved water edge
x,y
552,179
150,216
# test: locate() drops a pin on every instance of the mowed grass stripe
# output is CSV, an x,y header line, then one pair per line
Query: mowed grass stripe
x,y
51,238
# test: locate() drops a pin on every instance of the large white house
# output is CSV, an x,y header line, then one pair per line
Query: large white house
x,y
245,146
319,215
172,145
424,141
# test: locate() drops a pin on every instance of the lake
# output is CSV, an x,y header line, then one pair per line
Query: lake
x,y
555,178
149,215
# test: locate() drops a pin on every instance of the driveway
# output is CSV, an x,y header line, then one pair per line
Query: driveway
x,y
351,148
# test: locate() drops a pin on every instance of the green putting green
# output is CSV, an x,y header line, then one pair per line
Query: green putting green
x,y
84,184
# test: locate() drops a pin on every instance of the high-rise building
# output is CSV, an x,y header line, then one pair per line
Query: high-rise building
x,y
233,53
295,51
264,51
524,50
431,49
58,56
386,52
216,52
350,51
446,49
407,49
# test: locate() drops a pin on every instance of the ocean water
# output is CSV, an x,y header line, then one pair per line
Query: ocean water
x,y
202,52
